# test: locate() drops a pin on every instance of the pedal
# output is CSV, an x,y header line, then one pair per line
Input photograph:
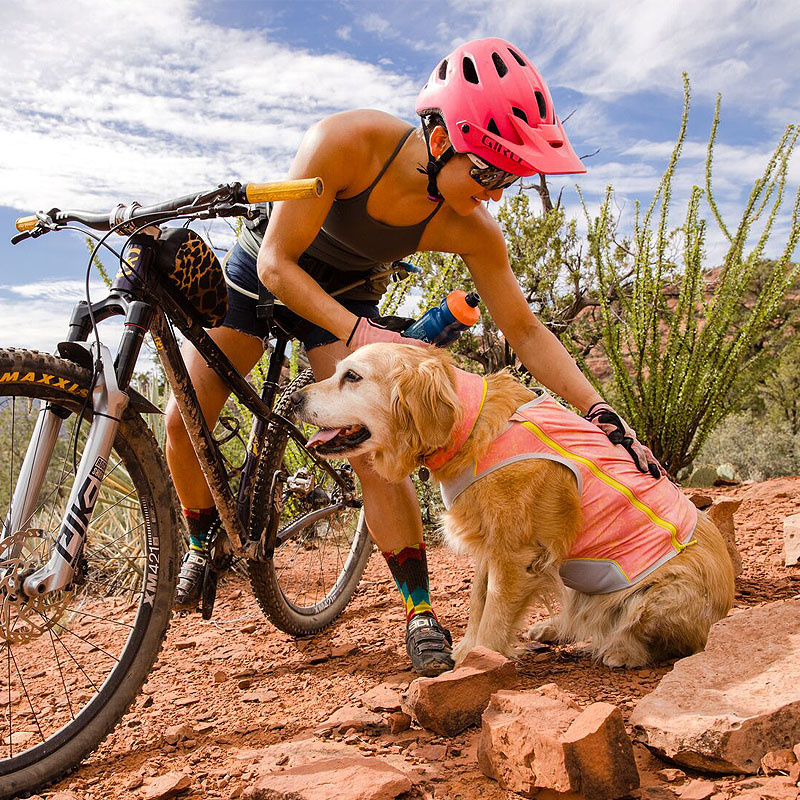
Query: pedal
x,y
209,594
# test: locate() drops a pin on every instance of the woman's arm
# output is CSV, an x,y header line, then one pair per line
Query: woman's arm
x,y
539,350
327,151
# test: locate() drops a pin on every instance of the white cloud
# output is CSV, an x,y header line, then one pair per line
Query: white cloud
x,y
39,321
110,101
374,23
739,47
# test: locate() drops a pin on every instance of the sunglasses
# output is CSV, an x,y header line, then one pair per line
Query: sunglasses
x,y
488,176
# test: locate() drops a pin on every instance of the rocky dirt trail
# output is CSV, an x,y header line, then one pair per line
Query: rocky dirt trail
x,y
224,691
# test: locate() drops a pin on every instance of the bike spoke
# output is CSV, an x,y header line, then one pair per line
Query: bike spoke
x,y
61,674
101,619
27,696
119,538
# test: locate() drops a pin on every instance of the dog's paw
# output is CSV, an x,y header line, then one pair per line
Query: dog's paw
x,y
542,632
624,658
461,650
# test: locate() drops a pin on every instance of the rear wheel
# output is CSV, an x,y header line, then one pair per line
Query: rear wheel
x,y
321,550
72,662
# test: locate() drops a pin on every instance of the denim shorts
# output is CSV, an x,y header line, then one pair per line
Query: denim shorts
x,y
240,268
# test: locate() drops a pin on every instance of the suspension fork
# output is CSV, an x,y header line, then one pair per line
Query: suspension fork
x,y
32,472
108,403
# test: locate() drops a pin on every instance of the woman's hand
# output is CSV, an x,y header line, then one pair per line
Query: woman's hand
x,y
381,329
619,432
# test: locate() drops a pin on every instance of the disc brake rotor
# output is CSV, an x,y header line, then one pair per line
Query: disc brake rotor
x,y
24,618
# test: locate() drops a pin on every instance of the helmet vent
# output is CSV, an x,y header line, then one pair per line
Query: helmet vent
x,y
542,104
499,64
518,57
518,112
492,127
470,73
442,70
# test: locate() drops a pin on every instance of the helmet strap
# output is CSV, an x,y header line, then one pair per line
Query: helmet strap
x,y
434,166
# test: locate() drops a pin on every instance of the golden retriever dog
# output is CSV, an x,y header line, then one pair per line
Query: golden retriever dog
x,y
401,403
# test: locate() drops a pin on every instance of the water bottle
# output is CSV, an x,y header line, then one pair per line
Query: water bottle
x,y
443,324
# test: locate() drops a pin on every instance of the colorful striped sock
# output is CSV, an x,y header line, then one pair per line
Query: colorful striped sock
x,y
199,522
409,568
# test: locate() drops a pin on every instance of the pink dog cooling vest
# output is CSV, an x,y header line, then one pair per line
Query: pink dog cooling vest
x,y
630,523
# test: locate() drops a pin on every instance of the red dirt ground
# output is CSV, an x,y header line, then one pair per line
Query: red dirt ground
x,y
311,682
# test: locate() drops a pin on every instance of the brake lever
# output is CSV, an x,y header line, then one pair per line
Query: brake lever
x,y
34,233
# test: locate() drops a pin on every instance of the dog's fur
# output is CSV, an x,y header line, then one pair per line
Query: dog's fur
x,y
518,522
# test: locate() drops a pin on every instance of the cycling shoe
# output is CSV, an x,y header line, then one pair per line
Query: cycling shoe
x,y
190,580
429,646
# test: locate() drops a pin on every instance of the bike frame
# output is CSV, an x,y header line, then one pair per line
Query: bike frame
x,y
149,304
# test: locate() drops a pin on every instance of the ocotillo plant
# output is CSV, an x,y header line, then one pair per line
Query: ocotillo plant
x,y
679,368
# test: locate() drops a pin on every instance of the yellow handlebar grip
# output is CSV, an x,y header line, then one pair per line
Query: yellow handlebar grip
x,y
26,223
303,189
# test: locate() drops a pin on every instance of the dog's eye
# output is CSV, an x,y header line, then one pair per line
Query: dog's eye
x,y
351,377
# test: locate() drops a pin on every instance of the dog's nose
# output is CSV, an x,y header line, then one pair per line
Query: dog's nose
x,y
297,399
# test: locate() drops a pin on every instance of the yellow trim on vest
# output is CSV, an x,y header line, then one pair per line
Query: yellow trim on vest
x,y
477,417
613,483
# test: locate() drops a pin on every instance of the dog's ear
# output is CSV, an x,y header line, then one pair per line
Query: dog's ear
x,y
424,404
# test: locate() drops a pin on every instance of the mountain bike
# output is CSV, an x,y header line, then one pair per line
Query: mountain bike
x,y
90,537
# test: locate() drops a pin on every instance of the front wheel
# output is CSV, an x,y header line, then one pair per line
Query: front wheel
x,y
322,550
72,662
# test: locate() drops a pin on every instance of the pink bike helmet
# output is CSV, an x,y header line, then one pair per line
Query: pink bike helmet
x,y
496,106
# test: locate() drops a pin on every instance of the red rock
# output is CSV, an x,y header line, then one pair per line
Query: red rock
x,y
656,793
771,489
364,779
259,696
599,754
520,726
431,752
350,716
671,775
723,709
185,701
399,721
778,761
342,650
454,700
220,676
177,733
782,788
165,786
538,740
381,698
701,500
791,540
697,790
721,514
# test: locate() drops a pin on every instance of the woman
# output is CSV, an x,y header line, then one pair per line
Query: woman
x,y
487,120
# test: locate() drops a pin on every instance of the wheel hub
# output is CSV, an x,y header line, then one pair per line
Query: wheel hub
x,y
23,618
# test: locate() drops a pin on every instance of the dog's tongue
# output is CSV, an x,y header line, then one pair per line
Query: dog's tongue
x,y
323,435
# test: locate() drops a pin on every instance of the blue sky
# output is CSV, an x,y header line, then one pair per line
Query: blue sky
x,y
105,102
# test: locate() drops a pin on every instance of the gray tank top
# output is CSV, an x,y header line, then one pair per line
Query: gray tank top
x,y
350,239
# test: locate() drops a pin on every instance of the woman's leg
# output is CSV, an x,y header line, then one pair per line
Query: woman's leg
x,y
196,501
395,525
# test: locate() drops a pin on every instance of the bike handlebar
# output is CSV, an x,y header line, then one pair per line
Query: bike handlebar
x,y
303,189
232,193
